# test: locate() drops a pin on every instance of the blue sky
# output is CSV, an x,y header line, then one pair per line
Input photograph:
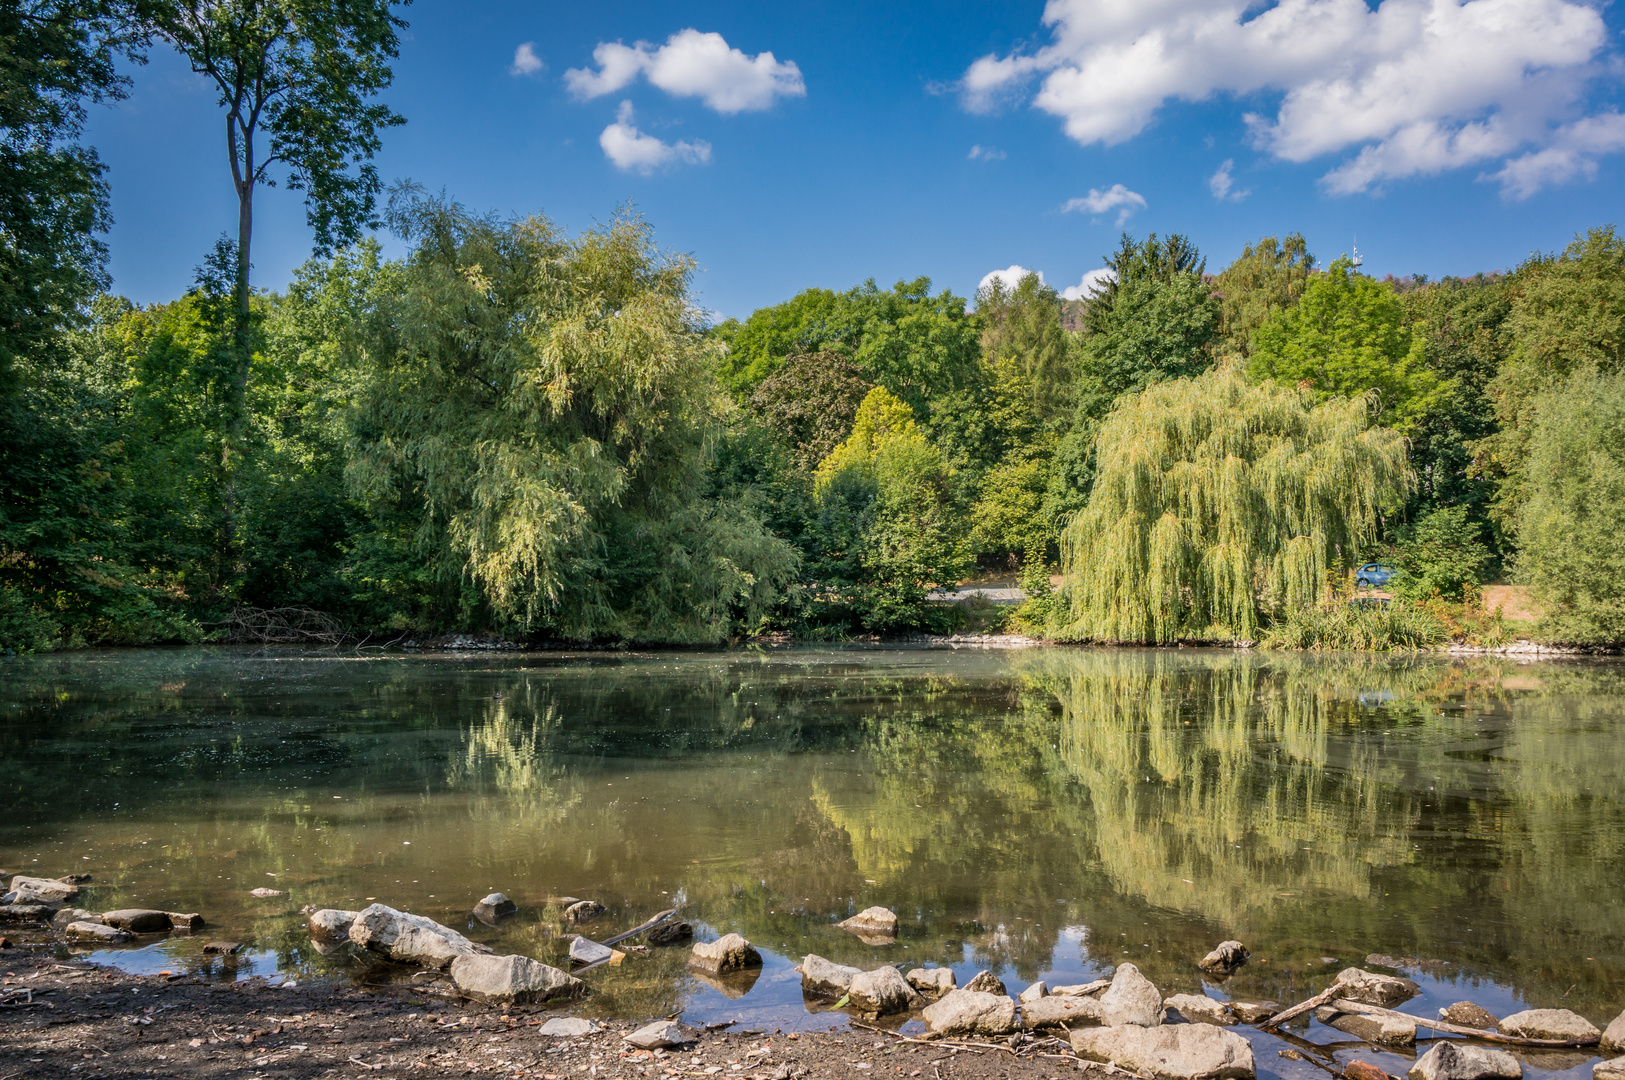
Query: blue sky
x,y
1447,136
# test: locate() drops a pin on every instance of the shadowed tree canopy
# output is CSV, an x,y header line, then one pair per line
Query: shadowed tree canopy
x,y
1219,503
811,401
546,404
1269,277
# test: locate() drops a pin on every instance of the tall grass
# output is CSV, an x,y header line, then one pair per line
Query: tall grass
x,y
1347,627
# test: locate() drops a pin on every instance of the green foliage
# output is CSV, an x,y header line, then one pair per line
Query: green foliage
x,y
1347,337
1573,545
811,401
544,406
914,344
1219,503
1268,278
1364,626
1442,553
1024,324
1568,314
887,528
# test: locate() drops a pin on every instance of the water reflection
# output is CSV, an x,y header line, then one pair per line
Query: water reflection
x,y
1046,814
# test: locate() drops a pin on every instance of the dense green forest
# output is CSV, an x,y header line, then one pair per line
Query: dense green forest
x,y
520,431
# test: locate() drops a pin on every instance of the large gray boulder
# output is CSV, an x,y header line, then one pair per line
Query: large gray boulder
x,y
1549,1024
1225,958
660,1035
1033,993
1609,1070
881,992
331,926
1198,1009
1464,1061
494,908
985,982
1059,1012
1372,989
1613,1039
25,913
873,926
728,953
934,981
33,890
1131,999
1170,1052
1384,1030
94,932
409,939
138,920
583,911
587,951
71,915
968,1012
512,979
1254,1012
568,1027
825,978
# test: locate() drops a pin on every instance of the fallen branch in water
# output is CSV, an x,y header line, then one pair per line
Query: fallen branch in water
x,y
281,626
1300,1008
1344,1005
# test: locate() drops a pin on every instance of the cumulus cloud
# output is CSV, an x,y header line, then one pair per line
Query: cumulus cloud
x,y
1009,277
1117,197
691,64
986,153
1411,87
1093,282
525,61
632,150
1223,184
1571,154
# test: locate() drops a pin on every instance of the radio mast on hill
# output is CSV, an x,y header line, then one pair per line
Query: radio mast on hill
x,y
1355,258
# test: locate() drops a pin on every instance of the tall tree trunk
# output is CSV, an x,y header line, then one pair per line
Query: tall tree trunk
x,y
235,443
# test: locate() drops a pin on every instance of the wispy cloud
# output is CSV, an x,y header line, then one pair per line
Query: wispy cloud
x,y
632,150
1117,197
986,153
525,61
1223,184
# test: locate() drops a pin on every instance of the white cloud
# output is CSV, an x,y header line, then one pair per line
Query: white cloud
x,y
631,149
1223,184
525,61
691,64
986,153
1009,277
1570,155
1413,87
1092,282
1117,197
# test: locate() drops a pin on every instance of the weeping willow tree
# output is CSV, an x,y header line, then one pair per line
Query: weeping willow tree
x,y
1219,503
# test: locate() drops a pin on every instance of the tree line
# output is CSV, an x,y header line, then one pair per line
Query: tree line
x,y
517,430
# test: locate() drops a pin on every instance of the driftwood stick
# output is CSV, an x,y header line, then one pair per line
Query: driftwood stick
x,y
636,930
1299,1009
1344,1005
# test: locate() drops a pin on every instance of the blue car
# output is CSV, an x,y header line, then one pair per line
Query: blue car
x,y
1372,576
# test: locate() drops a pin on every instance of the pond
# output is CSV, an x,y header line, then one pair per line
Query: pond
x,y
1043,813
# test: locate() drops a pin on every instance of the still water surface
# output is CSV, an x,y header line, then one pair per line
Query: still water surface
x,y
1046,814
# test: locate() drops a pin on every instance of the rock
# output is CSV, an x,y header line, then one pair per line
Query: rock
x,y
494,907
881,992
569,1027
1373,989
1609,1070
185,920
660,1035
1549,1024
670,933
967,1012
826,978
873,926
1613,1039
1464,1061
331,926
1386,1030
1060,1012
1254,1012
1226,957
583,911
72,914
222,948
264,893
1131,999
33,890
1384,960
1034,992
1467,1014
1198,1009
18,913
728,953
985,982
1088,989
936,981
137,920
515,979
1174,1052
409,939
1355,1070
586,951
94,931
